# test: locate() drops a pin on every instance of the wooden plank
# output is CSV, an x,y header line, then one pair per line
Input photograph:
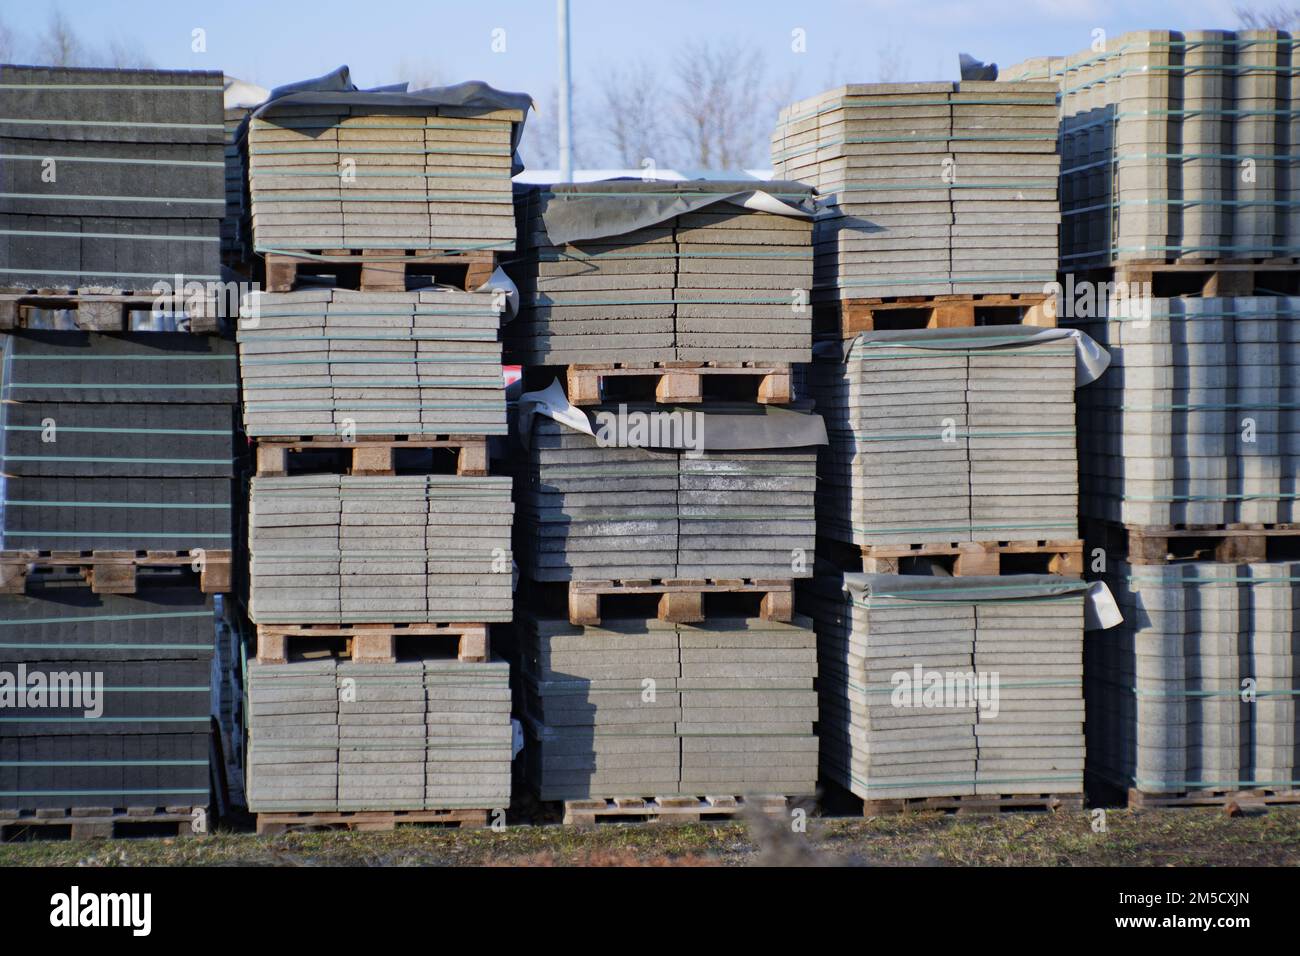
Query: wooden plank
x,y
679,388
777,606
473,645
111,578
681,607
472,459
371,458
775,389
584,608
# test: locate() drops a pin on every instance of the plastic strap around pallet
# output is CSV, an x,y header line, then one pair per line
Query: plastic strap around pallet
x,y
57,357
876,529
1115,251
1197,581
113,159
886,687
101,720
668,253
1182,786
538,302
113,123
114,534
106,235
396,360
68,429
160,199
124,385
494,382
165,506
115,275
357,260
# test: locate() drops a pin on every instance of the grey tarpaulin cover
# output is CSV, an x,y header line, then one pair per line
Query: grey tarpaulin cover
x,y
337,89
1090,358
575,212
1100,610
732,427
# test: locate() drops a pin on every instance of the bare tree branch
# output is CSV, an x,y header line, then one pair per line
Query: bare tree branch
x,y
541,145
128,54
1277,18
717,100
59,45
8,44
632,118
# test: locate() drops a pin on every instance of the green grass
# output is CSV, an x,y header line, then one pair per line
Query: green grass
x,y
1176,837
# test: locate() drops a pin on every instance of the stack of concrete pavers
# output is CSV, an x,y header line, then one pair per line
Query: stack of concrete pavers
x,y
647,707
596,505
413,735
337,361
982,419
640,273
367,175
117,442
402,549
113,180
1195,691
118,697
946,687
930,188
1194,424
1175,145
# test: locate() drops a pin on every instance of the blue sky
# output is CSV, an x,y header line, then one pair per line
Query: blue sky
x,y
277,41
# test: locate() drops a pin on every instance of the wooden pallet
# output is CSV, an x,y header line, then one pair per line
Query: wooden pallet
x,y
107,311
380,270
668,809
100,823
680,382
1163,544
851,316
1264,796
1206,277
681,600
373,455
974,804
113,572
964,558
269,824
370,643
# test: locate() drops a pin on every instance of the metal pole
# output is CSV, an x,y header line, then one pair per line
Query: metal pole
x,y
566,116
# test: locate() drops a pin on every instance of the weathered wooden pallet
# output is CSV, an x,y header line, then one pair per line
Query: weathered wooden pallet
x,y
974,804
1206,277
380,270
680,382
1162,544
1262,796
99,823
668,809
370,643
98,311
851,316
681,600
965,558
372,455
114,572
269,824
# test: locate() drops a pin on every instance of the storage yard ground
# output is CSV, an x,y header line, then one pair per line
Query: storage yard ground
x,y
1185,837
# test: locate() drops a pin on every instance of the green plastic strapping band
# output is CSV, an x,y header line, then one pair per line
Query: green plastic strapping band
x,y
105,235
121,431
116,275
162,199
182,506
113,159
